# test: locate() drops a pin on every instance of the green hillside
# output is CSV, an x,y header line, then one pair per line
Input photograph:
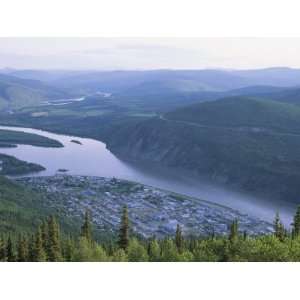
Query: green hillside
x,y
291,96
241,112
20,209
23,209
246,143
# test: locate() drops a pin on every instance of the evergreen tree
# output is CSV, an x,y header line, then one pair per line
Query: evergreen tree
x,y
84,250
22,249
10,254
296,224
2,250
120,255
169,250
233,235
154,251
110,248
31,248
213,234
192,244
39,253
276,225
279,230
136,251
225,254
179,238
86,229
53,244
99,253
69,251
124,230
44,229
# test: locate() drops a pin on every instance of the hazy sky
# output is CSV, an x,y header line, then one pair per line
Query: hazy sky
x,y
148,53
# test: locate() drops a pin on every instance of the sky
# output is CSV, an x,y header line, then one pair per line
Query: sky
x,y
148,53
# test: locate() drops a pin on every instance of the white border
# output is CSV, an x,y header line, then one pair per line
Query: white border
x,y
155,18
149,281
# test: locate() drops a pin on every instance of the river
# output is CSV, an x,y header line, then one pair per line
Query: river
x,y
92,158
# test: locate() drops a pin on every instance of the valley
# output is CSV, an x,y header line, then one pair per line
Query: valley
x,y
94,159
215,135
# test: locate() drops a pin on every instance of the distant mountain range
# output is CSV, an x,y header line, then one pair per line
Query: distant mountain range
x,y
163,80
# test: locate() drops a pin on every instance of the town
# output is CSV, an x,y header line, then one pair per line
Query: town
x,y
152,212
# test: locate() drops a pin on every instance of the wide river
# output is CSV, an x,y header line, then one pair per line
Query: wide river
x,y
92,158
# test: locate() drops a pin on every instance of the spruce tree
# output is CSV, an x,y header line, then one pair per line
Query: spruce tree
x,y
179,238
39,253
31,247
2,250
233,235
169,250
124,230
44,229
22,249
53,244
279,230
296,224
10,254
276,224
213,234
110,247
154,251
69,251
86,229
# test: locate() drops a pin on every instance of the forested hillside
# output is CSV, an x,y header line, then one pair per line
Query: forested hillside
x,y
240,112
249,144
47,244
22,210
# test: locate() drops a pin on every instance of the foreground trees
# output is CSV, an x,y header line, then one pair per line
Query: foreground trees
x,y
279,229
47,244
86,229
124,230
296,223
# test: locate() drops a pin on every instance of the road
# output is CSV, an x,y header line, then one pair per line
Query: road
x,y
237,129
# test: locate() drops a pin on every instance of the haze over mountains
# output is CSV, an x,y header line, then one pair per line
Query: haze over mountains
x,y
187,80
17,92
21,88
